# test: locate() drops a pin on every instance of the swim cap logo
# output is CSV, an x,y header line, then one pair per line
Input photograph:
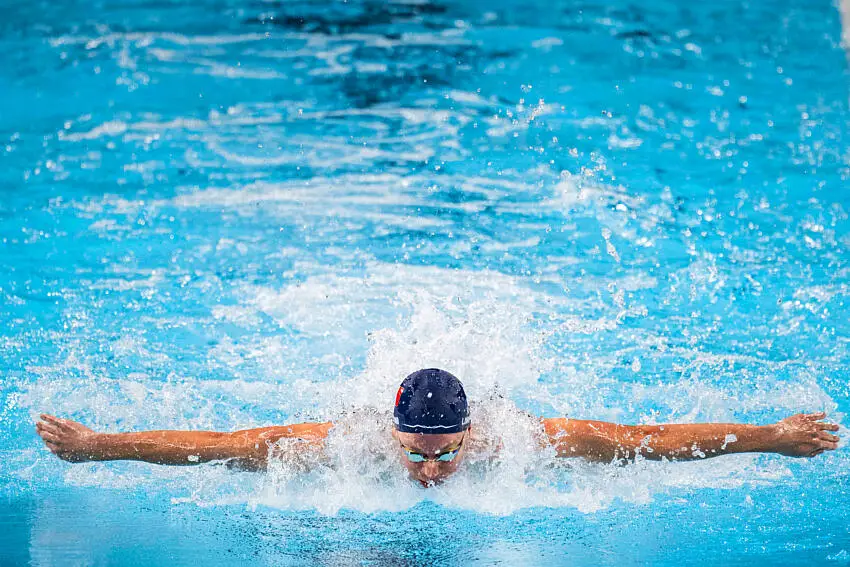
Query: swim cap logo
x,y
398,395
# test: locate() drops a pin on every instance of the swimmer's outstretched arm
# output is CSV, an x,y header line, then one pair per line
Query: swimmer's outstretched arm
x,y
801,435
249,448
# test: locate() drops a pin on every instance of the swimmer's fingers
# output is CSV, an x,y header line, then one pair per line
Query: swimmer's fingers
x,y
815,416
828,426
827,443
47,418
51,438
42,426
58,422
824,436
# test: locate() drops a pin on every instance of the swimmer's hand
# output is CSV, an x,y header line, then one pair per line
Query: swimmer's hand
x,y
68,440
246,449
803,435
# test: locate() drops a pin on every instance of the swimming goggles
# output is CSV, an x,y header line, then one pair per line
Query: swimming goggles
x,y
446,457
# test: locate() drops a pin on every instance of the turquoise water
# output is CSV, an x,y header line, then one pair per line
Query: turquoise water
x,y
222,215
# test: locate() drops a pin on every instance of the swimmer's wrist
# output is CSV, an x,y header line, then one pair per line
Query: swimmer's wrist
x,y
768,437
745,438
103,447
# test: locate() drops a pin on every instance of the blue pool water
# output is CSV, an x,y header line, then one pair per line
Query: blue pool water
x,y
223,214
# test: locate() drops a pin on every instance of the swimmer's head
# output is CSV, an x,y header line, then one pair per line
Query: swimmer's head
x,y
431,423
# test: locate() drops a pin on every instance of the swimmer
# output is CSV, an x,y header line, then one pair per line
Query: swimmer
x,y
432,429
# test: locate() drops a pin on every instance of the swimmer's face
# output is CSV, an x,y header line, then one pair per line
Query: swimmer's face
x,y
431,446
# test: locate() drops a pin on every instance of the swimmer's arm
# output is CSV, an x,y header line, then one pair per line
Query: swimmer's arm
x,y
801,435
249,448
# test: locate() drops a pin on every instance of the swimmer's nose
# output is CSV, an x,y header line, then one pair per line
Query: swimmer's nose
x,y
430,470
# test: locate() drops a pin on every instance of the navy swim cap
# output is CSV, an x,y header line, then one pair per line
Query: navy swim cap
x,y
431,401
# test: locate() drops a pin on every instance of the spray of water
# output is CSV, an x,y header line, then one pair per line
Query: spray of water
x,y
481,331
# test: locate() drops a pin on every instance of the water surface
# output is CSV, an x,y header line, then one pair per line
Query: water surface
x,y
223,214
